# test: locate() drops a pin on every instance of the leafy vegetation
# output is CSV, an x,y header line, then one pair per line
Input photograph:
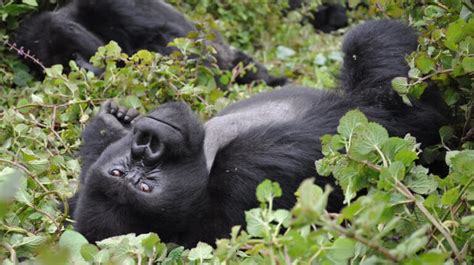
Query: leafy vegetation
x,y
397,212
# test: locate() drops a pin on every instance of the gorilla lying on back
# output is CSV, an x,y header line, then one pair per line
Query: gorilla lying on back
x,y
75,31
166,172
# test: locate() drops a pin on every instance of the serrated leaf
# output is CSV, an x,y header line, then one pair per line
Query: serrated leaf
x,y
424,63
256,226
73,241
268,190
341,250
369,138
420,182
400,84
201,252
468,64
450,197
88,252
349,122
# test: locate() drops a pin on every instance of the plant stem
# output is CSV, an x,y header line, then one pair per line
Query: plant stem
x,y
405,191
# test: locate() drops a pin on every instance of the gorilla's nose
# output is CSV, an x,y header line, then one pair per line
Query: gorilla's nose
x,y
146,145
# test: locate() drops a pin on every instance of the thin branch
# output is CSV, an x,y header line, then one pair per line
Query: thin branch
x,y
405,191
11,250
25,54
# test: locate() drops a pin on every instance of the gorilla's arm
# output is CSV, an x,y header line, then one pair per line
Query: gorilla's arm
x,y
110,124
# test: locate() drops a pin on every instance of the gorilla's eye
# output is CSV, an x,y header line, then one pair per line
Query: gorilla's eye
x,y
117,173
144,187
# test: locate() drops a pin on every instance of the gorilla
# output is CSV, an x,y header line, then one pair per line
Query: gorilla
x,y
168,173
328,17
76,30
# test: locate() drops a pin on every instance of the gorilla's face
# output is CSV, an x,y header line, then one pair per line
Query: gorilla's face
x,y
158,167
55,39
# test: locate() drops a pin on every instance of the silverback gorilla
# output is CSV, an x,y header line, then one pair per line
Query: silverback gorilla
x,y
166,172
75,31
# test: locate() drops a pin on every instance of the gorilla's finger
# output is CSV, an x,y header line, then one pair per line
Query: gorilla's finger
x,y
130,115
113,108
121,112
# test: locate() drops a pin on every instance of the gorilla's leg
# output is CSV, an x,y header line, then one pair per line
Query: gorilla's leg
x,y
110,124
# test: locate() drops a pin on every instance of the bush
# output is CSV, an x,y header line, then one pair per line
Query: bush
x,y
406,216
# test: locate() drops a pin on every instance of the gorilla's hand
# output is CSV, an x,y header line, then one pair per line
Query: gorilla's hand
x,y
109,125
117,118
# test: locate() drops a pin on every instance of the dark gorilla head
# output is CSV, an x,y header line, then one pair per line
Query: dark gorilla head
x,y
54,38
157,170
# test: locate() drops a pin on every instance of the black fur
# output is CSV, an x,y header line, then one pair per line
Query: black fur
x,y
190,182
75,31
328,17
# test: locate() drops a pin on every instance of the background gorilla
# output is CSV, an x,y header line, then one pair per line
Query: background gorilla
x,y
328,17
75,31
167,173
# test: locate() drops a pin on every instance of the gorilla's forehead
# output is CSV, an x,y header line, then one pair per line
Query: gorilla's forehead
x,y
221,130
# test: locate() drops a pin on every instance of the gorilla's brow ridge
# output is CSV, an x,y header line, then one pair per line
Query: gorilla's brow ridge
x,y
166,123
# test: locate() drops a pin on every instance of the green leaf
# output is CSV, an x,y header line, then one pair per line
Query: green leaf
x,y
468,64
133,102
73,241
201,252
457,31
284,53
400,84
256,226
450,197
268,190
323,167
88,252
424,63
388,175
11,180
30,2
370,137
341,250
420,182
349,122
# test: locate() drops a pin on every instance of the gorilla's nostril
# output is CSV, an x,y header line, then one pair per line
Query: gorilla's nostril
x,y
142,138
154,145
147,146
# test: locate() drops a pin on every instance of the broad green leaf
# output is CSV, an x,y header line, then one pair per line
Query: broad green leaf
x,y
256,226
88,252
349,122
30,2
420,182
268,190
450,197
468,64
73,241
424,63
201,252
369,138
400,84
341,250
